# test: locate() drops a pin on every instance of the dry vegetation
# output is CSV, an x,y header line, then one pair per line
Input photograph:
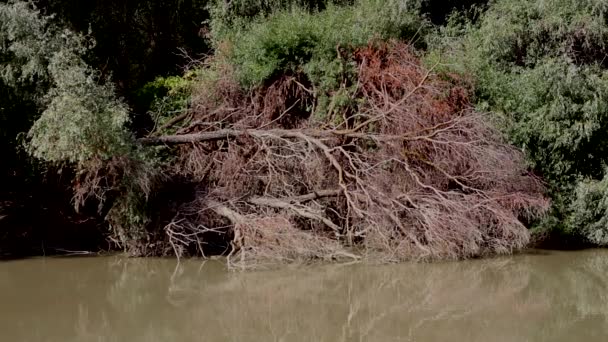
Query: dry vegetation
x,y
406,170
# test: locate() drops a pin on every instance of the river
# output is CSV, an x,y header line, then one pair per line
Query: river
x,y
539,296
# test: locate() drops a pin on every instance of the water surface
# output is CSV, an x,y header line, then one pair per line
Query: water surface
x,y
545,296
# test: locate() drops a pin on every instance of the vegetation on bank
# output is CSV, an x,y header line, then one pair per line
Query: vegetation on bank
x,y
374,129
541,67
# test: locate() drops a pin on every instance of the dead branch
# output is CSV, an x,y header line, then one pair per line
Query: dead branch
x,y
300,210
412,172
173,122
228,134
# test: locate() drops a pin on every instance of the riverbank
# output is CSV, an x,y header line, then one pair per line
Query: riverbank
x,y
313,131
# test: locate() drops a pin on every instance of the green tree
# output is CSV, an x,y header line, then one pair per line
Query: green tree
x,y
75,120
542,66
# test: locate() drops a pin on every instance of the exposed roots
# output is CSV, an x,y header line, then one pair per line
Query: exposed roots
x,y
412,173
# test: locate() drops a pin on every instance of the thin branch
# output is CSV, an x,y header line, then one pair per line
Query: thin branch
x,y
172,122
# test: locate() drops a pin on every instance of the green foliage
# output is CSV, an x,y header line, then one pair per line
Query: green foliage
x,y
439,11
129,215
559,114
83,119
23,74
295,40
589,211
169,96
24,39
518,32
76,119
225,16
79,116
313,39
541,65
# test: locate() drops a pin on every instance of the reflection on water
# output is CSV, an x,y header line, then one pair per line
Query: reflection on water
x,y
552,296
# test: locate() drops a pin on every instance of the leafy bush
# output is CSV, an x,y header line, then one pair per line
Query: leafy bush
x,y
559,114
77,117
82,120
439,11
294,40
23,76
541,65
225,16
315,46
167,97
590,211
76,120
521,32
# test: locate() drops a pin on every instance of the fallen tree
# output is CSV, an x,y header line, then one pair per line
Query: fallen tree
x,y
407,170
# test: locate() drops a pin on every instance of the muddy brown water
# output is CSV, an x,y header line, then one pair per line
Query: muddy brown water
x,y
541,296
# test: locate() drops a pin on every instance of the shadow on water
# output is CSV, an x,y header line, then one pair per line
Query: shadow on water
x,y
551,296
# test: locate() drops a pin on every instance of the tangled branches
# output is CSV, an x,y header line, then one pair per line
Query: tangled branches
x,y
413,172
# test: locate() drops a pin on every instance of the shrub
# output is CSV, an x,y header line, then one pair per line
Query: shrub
x,y
23,75
82,119
292,41
226,16
589,211
559,115
439,11
78,118
168,97
522,32
541,66
314,46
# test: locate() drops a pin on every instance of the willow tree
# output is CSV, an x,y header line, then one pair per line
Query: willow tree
x,y
74,120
